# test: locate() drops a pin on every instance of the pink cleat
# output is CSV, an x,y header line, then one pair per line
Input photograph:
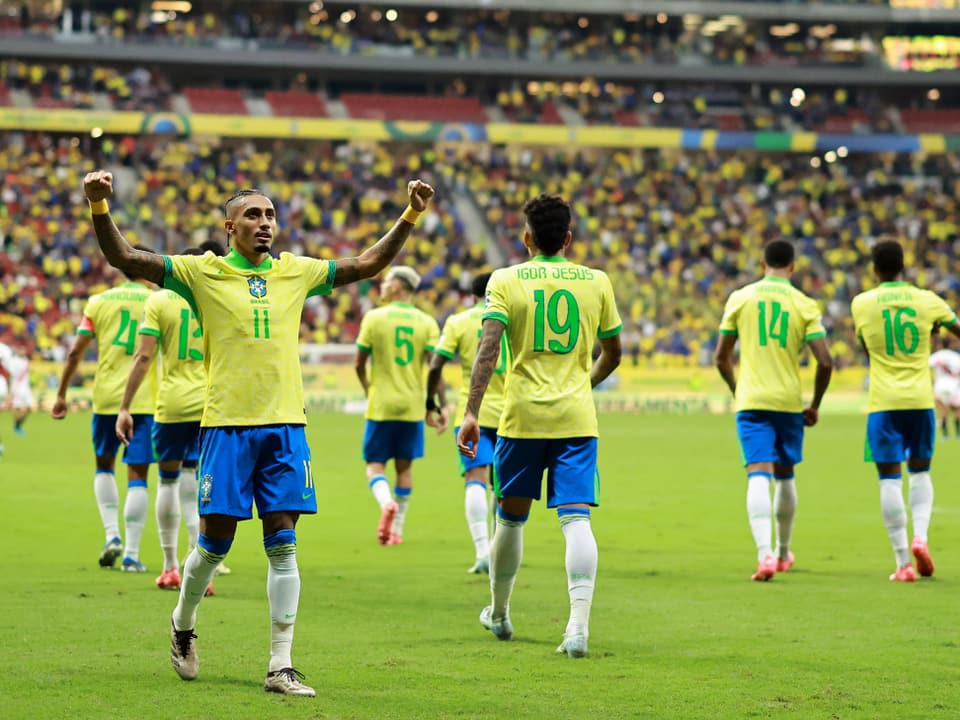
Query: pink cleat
x,y
169,579
904,574
395,540
766,569
386,522
784,564
922,554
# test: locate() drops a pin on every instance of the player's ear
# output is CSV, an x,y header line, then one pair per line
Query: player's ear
x,y
228,226
567,240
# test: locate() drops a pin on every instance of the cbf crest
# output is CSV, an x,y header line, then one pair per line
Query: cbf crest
x,y
258,286
206,485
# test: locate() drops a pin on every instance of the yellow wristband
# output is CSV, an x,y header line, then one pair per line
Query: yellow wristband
x,y
410,215
99,207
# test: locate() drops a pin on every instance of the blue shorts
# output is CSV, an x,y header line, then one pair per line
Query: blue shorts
x,y
770,436
176,441
269,465
106,443
488,439
571,465
897,435
392,439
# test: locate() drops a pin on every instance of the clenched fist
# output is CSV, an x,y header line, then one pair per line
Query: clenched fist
x,y
420,194
98,185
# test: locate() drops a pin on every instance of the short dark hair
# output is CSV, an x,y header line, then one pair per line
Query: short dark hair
x,y
142,249
887,257
479,285
239,195
548,217
214,246
778,254
192,251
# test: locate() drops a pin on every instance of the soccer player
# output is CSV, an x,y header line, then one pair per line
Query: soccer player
x,y
169,322
17,366
460,338
552,312
253,444
399,338
946,385
112,318
773,322
894,322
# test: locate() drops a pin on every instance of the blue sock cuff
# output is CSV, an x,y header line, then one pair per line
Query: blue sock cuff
x,y
280,538
783,477
918,470
569,515
108,472
375,480
468,483
190,464
214,546
760,474
136,483
896,476
169,474
402,492
511,518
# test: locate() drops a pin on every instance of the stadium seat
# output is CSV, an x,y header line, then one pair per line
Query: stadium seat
x,y
931,121
220,101
296,103
373,106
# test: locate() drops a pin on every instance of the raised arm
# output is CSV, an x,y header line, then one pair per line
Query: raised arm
x,y
483,367
79,347
374,259
98,186
821,354
142,360
610,353
723,357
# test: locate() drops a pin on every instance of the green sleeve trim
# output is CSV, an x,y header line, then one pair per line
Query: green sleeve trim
x,y
84,332
496,316
814,336
432,348
604,334
953,321
172,283
728,332
150,331
167,266
327,287
365,348
444,353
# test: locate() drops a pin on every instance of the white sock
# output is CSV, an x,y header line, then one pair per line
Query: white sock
x,y
188,503
108,501
581,561
785,508
506,553
921,503
283,591
198,571
475,505
381,490
760,512
134,518
168,523
895,517
403,503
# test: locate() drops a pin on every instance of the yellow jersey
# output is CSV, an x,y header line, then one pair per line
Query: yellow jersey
x,y
554,311
772,321
894,321
183,381
398,337
113,318
251,331
461,337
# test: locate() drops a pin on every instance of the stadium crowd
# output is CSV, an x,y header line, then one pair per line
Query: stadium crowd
x,y
675,230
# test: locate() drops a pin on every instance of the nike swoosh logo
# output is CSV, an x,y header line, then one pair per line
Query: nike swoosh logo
x,y
306,496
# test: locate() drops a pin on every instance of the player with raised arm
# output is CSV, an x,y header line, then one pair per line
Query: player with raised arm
x,y
552,312
253,443
112,318
168,322
945,363
398,339
773,322
460,339
894,322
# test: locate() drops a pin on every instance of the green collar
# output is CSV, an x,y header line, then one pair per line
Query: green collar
x,y
548,258
894,283
241,263
776,278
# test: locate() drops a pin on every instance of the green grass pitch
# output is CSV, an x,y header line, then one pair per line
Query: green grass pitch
x,y
678,630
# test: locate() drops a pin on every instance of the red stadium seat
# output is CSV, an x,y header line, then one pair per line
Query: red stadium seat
x,y
931,121
220,101
550,115
5,100
296,103
373,106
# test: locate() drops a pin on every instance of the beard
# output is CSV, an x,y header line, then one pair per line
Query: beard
x,y
261,247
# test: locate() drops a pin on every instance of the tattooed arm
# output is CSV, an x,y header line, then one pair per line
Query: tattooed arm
x,y
483,367
98,186
374,259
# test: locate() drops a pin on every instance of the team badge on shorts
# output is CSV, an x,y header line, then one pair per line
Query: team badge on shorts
x,y
206,485
258,286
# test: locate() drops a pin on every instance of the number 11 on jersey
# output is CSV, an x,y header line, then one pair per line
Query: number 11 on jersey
x,y
261,323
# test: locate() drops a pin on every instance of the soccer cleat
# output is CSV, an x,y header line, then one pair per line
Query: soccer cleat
x,y
131,565
169,579
766,569
480,567
19,431
904,574
784,564
111,551
223,569
209,591
575,646
386,522
922,554
395,539
501,627
287,682
183,653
